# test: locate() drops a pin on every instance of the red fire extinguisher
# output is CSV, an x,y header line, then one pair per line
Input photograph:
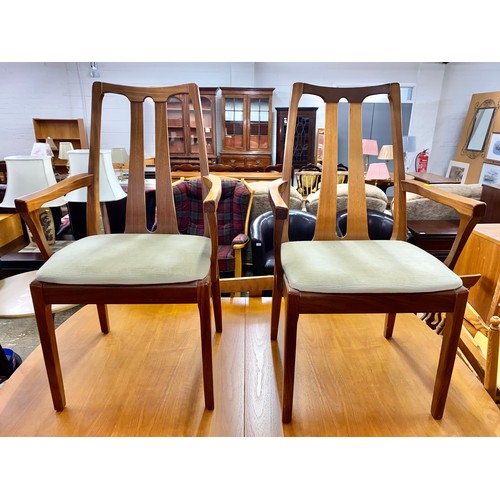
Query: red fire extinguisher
x,y
421,161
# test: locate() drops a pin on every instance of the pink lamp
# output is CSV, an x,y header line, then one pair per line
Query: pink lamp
x,y
377,171
370,148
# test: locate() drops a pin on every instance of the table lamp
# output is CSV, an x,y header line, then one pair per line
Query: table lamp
x,y
51,143
119,157
386,154
42,149
109,187
26,175
377,171
64,148
370,148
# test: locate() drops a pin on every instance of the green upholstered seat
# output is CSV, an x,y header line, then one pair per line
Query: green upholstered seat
x,y
129,259
364,266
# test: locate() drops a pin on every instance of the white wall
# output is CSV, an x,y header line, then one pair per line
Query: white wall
x,y
461,82
62,90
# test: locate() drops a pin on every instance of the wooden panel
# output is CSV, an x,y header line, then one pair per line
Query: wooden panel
x,y
10,228
61,130
481,254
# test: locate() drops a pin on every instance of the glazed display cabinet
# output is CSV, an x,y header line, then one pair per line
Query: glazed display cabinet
x,y
305,136
246,126
182,136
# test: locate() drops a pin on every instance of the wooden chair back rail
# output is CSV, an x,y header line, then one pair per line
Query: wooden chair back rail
x,y
136,206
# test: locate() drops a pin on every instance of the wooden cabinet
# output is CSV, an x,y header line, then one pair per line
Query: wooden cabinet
x,y
434,236
182,137
246,126
491,196
305,134
60,130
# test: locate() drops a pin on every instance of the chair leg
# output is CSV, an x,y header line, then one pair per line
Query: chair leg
x,y
275,308
102,311
217,305
451,337
390,319
291,320
46,331
238,263
206,346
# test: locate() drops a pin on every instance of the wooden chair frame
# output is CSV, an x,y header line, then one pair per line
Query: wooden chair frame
x,y
452,302
198,292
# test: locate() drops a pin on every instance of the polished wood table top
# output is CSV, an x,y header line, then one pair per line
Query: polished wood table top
x,y
351,381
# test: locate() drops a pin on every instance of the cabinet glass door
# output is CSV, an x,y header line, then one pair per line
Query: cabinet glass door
x,y
234,120
175,123
259,123
206,110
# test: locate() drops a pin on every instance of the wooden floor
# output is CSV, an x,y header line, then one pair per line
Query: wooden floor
x,y
144,379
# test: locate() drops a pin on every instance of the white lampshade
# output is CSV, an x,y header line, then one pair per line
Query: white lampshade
x,y
119,155
64,149
41,149
385,153
377,171
26,175
109,187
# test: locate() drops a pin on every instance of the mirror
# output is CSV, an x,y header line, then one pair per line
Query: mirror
x,y
480,127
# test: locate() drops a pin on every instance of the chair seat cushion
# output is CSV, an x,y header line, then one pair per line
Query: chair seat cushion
x,y
129,259
383,266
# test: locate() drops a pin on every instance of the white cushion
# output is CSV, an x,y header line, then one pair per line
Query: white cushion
x,y
382,266
129,259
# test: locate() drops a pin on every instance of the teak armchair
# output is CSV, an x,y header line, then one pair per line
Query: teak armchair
x,y
136,267
353,274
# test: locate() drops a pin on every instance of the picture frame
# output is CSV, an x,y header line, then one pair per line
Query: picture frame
x,y
490,174
493,153
457,171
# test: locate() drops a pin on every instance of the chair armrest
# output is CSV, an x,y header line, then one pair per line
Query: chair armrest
x,y
240,241
28,206
214,185
278,204
470,212
210,204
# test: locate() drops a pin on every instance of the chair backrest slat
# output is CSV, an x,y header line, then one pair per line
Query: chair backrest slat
x,y
136,200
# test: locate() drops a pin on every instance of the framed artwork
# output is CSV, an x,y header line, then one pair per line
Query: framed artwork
x,y
457,171
490,174
493,153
